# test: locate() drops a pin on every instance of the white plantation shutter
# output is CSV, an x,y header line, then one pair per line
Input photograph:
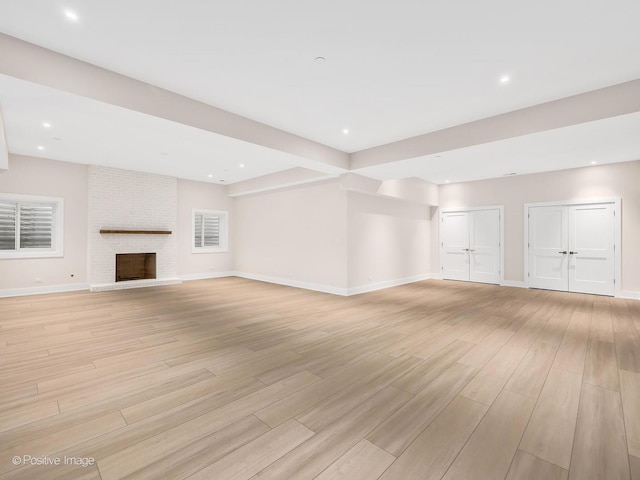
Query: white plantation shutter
x,y
210,231
29,226
36,226
211,234
207,230
7,226
197,229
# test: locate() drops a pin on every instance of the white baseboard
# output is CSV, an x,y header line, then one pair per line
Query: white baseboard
x,y
103,287
19,292
514,283
388,284
629,294
294,283
436,276
205,276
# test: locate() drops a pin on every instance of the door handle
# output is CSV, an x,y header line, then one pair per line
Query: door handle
x,y
564,252
465,249
573,253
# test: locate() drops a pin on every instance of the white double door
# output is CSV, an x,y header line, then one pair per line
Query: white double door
x,y
470,245
572,248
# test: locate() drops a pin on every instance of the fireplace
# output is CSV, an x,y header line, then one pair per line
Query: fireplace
x,y
135,266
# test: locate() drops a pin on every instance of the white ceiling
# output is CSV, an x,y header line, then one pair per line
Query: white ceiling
x,y
612,140
393,70
87,131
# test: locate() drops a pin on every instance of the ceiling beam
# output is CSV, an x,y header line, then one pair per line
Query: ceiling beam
x,y
599,104
286,178
39,65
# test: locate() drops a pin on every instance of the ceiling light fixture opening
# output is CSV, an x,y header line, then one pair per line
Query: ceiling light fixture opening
x,y
71,15
447,181
46,124
345,131
242,165
210,176
505,79
594,162
40,147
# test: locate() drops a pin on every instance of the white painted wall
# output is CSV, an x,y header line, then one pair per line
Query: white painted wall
x,y
37,176
204,196
616,180
317,235
389,240
122,199
296,235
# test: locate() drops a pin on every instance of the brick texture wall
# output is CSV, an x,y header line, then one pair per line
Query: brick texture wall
x,y
123,199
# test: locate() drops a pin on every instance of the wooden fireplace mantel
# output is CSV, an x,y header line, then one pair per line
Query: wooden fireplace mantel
x,y
137,232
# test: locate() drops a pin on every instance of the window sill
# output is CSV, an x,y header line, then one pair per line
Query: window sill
x,y
209,250
18,255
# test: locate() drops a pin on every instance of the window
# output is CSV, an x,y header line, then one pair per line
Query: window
x,y
210,231
30,226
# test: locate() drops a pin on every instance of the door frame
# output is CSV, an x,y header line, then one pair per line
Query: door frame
x,y
617,232
472,209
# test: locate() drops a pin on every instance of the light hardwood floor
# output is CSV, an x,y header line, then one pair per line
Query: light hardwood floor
x,y
236,379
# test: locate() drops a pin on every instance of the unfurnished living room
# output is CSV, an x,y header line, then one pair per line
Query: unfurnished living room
x,y
319,240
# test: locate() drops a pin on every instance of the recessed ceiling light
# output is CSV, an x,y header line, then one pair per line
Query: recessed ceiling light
x,y
40,147
242,165
71,15
594,162
505,79
210,176
446,181
345,131
320,59
46,124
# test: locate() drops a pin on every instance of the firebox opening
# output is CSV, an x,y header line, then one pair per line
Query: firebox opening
x,y
135,266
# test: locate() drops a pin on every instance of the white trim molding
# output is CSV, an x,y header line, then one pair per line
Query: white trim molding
x,y
388,284
205,276
631,295
20,292
513,283
295,283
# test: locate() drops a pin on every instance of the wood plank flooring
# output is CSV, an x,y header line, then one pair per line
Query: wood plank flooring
x,y
236,379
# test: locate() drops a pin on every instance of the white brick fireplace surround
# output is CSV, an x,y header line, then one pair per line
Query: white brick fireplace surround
x,y
126,200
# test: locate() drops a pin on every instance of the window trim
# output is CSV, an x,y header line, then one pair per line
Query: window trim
x,y
224,231
57,236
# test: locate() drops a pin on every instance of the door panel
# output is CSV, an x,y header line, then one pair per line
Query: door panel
x,y
484,246
591,239
548,239
455,246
